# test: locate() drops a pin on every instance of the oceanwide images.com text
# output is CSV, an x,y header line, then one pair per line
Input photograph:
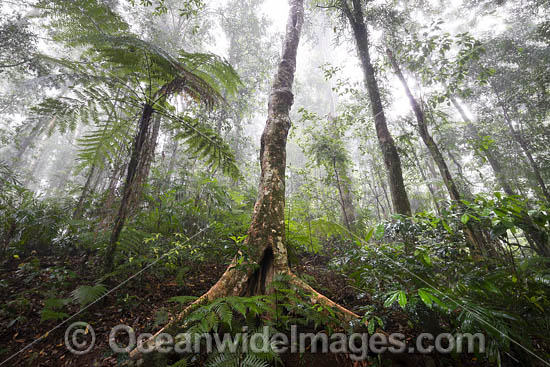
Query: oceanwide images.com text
x,y
80,339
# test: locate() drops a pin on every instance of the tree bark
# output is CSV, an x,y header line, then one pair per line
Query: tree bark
x,y
171,165
392,161
129,184
144,167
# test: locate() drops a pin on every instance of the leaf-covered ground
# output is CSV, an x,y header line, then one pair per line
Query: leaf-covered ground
x,y
143,303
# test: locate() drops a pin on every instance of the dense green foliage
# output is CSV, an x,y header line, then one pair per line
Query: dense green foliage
x,y
73,102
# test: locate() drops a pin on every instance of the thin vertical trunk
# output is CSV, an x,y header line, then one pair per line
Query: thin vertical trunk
x,y
116,176
392,161
473,234
518,137
538,240
382,184
146,160
489,152
434,176
129,184
465,188
78,210
425,134
428,183
171,165
377,203
346,201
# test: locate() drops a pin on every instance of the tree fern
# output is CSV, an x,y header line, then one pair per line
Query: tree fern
x,y
116,56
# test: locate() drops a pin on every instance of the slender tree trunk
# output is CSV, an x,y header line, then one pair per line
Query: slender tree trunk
x,y
518,137
78,210
473,234
129,184
538,240
171,165
346,200
425,134
147,157
428,183
392,161
489,152
382,184
464,185
117,172
377,203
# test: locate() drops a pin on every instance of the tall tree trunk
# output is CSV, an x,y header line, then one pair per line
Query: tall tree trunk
x,y
377,203
538,240
171,165
266,234
425,134
119,167
344,191
489,152
129,184
392,161
518,137
428,183
382,184
147,157
473,234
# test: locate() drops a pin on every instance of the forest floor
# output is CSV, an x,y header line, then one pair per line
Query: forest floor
x,y
142,303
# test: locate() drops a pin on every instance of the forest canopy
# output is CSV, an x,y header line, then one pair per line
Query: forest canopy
x,y
230,166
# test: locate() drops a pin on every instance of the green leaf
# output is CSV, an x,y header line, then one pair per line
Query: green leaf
x,y
425,297
402,299
446,226
369,235
427,259
391,299
371,326
380,231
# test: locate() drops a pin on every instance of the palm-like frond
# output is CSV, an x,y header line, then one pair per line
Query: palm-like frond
x,y
205,144
202,76
103,143
114,55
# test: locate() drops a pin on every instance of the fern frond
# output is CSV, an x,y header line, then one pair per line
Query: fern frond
x,y
87,294
205,144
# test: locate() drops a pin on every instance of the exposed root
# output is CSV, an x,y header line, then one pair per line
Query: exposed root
x,y
231,284
316,297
